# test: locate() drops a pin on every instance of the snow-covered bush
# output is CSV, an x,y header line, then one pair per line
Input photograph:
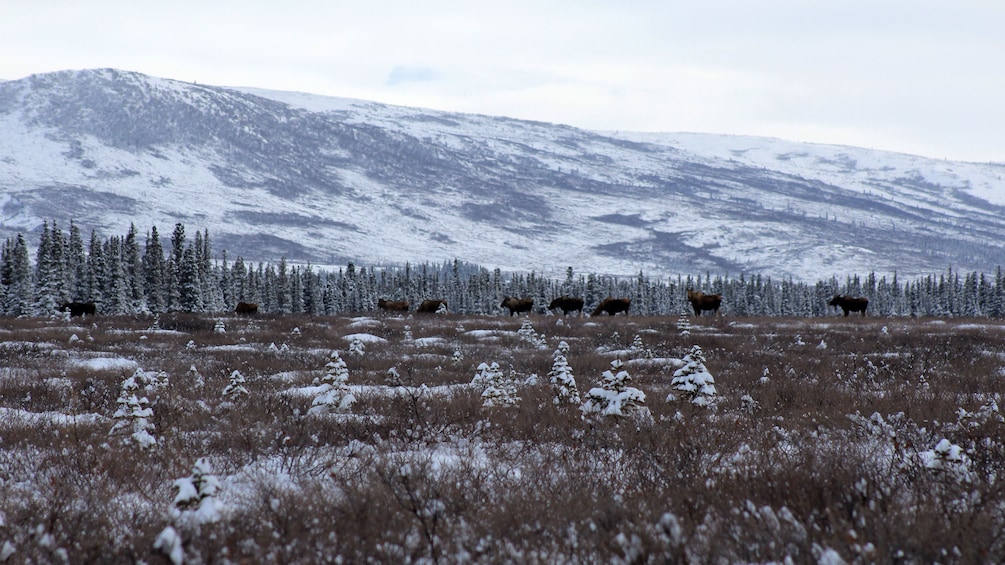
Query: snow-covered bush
x,y
219,328
562,380
684,326
748,404
334,395
949,458
986,414
693,380
614,397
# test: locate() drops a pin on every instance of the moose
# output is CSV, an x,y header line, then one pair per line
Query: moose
x,y
392,305
567,304
701,301
517,305
612,306
79,308
849,304
431,306
246,308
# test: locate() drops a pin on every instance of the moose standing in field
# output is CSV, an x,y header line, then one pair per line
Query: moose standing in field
x,y
517,305
392,305
431,306
246,308
849,304
612,306
79,308
567,304
701,301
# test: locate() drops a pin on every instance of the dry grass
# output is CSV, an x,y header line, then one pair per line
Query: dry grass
x,y
827,454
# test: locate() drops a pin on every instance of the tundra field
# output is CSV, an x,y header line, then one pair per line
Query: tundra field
x,y
208,439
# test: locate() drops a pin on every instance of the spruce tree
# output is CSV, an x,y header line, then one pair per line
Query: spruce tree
x,y
134,412
76,266
96,269
48,273
174,267
614,397
235,390
693,380
132,265
189,286
499,390
334,394
562,380
117,299
153,273
195,504
20,287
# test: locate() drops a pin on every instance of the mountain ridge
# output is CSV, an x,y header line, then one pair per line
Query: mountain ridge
x,y
327,180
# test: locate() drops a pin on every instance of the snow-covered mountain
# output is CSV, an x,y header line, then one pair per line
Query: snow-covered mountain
x,y
325,180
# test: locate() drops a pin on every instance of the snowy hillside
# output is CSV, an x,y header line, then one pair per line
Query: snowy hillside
x,y
325,180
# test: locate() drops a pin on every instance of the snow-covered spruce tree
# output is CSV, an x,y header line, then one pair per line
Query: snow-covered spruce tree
x,y
693,380
133,417
497,390
356,347
562,379
194,377
220,327
334,395
614,397
527,333
235,390
486,374
194,505
500,390
393,378
17,276
637,345
639,348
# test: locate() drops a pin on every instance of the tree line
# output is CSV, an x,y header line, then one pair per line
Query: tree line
x,y
122,276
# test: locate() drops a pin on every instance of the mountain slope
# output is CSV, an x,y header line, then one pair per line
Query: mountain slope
x,y
321,179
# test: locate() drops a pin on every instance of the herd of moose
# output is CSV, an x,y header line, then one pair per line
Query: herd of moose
x,y
700,301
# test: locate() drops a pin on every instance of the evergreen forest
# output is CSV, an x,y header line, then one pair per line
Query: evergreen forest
x,y
123,275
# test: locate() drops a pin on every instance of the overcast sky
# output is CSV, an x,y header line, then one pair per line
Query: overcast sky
x,y
919,76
